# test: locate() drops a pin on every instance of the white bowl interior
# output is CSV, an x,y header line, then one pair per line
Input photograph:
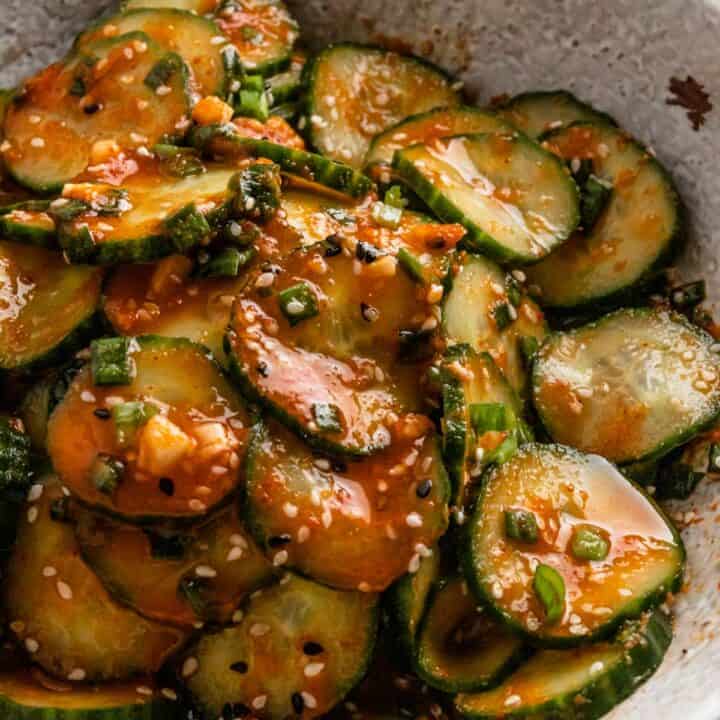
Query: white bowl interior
x,y
618,55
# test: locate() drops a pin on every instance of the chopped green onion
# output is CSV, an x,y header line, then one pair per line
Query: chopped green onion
x,y
513,291
129,417
179,161
411,265
387,216
549,587
595,195
521,525
186,228
242,233
227,263
111,361
394,197
327,417
714,458
257,191
689,295
252,99
504,451
298,303
106,473
504,314
486,417
340,215
163,70
529,345
589,544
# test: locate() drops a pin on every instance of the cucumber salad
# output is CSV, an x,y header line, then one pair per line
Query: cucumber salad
x,y
326,392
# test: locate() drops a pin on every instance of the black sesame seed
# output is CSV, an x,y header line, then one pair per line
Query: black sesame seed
x,y
262,368
102,413
367,253
91,109
436,243
333,245
424,488
227,712
339,466
313,648
298,703
279,541
239,667
166,486
240,710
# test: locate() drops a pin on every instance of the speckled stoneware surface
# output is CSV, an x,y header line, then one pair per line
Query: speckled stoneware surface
x,y
619,55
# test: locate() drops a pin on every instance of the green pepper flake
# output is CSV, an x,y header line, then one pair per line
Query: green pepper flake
x,y
106,473
387,216
549,587
504,314
394,197
298,303
129,417
521,525
589,543
327,417
111,361
411,265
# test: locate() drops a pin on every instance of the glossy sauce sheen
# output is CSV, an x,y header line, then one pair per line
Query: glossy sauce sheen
x,y
566,490
193,395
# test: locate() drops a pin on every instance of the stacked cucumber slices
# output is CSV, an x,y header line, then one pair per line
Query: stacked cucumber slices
x,y
327,393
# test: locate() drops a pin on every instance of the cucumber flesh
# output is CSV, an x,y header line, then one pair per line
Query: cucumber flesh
x,y
191,36
363,533
34,283
479,287
202,426
567,491
638,233
517,201
45,155
170,587
581,684
460,646
274,632
355,92
425,127
630,387
66,620
201,7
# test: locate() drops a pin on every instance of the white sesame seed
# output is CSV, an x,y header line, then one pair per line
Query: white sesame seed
x,y
237,540
303,534
49,571
32,514
280,558
189,667
169,694
326,518
37,142
259,629
309,700
322,464
205,571
363,587
238,616
143,690
87,397
77,674
414,520
197,505
218,40
313,669
290,510
513,700
163,90
259,702
32,645
295,307
5,146
597,667
35,492
235,554
414,564
264,280
64,590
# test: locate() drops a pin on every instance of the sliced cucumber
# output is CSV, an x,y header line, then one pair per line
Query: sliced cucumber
x,y
355,92
425,127
472,315
333,370
27,694
472,381
517,200
638,233
407,599
162,300
201,7
567,497
86,100
460,648
61,613
631,386
263,32
157,214
536,113
321,638
34,284
212,63
201,573
356,525
28,222
229,142
286,87
582,684
196,438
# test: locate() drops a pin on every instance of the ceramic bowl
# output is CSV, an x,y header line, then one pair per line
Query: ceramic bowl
x,y
620,55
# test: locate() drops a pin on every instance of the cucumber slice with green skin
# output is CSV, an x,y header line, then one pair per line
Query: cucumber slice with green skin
x,y
286,87
322,638
204,575
468,379
536,113
34,284
355,92
357,525
63,616
567,491
27,694
28,222
581,684
263,32
201,7
85,100
345,360
200,430
407,600
162,299
470,316
160,215
631,386
460,648
517,201
226,141
425,127
640,231
213,65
